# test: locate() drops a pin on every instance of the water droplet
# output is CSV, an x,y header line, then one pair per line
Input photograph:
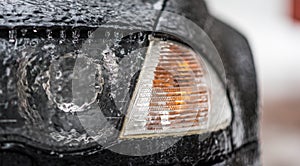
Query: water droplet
x,y
216,141
49,33
6,105
107,34
62,34
33,42
90,34
48,47
7,71
23,31
75,36
122,51
117,37
58,74
12,36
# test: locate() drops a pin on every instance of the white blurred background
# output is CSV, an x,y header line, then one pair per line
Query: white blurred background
x,y
275,41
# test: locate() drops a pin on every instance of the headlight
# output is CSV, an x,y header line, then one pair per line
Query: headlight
x,y
78,93
143,74
176,94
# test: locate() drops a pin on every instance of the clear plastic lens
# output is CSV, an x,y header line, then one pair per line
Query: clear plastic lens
x,y
173,94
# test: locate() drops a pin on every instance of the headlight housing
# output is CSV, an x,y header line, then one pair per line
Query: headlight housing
x,y
79,88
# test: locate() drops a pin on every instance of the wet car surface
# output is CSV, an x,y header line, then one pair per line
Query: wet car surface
x,y
40,39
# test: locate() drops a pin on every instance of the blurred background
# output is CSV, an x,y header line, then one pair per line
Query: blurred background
x,y
273,30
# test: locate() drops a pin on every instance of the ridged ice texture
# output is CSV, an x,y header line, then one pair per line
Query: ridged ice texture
x,y
73,13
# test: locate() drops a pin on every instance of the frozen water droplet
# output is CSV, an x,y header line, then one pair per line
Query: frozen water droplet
x,y
62,35
90,34
116,35
12,36
59,88
107,34
6,105
141,39
75,36
122,51
33,42
23,31
49,33
48,47
7,71
58,74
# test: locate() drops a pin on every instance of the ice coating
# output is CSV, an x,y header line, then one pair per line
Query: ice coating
x,y
66,124
39,62
55,14
58,85
72,13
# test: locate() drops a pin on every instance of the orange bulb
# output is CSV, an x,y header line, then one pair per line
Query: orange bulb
x,y
178,97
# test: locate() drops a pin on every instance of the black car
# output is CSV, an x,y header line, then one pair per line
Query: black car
x,y
132,82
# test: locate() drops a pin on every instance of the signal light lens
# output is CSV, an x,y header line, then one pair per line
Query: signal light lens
x,y
173,95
